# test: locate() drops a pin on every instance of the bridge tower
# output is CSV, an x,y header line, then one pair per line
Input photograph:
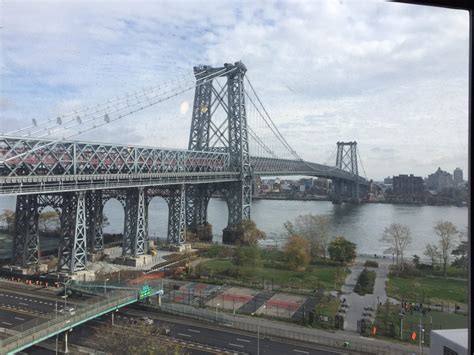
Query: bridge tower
x,y
230,135
346,160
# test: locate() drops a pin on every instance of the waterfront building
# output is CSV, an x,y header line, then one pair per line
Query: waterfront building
x,y
440,180
457,177
407,185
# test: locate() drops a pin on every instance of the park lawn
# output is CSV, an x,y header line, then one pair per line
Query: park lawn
x,y
419,289
218,266
440,320
314,277
431,320
328,306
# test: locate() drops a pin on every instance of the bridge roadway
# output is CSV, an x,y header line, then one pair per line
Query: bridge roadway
x,y
31,314
29,166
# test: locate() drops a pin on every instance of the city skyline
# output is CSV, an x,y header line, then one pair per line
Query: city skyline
x,y
391,76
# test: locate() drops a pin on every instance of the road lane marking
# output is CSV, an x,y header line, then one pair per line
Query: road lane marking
x,y
184,335
301,351
6,323
23,303
194,330
237,345
18,318
245,340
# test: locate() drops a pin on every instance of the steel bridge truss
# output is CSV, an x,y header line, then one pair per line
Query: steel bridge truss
x,y
73,243
346,160
37,157
78,178
228,135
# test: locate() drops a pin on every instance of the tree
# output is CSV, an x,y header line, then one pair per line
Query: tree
x,y
48,222
250,233
432,252
342,250
314,228
447,233
297,252
398,237
416,260
246,256
7,218
139,338
461,252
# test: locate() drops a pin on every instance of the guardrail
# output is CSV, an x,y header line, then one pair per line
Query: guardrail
x,y
56,325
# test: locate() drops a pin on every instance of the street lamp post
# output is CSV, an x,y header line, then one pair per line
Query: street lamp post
x,y
401,326
105,286
65,292
258,331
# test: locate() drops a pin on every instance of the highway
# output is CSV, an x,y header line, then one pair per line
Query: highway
x,y
29,303
229,339
11,319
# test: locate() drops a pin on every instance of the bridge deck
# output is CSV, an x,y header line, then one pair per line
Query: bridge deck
x,y
30,166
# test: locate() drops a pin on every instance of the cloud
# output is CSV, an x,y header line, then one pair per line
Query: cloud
x,y
391,76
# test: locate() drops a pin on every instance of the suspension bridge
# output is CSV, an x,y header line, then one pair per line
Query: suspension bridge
x,y
232,140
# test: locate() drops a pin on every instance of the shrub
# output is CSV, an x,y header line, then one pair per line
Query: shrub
x,y
371,263
218,251
365,282
410,270
424,267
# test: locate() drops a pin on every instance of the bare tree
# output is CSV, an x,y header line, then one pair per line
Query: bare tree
x,y
432,252
448,235
398,237
143,339
7,218
314,228
48,222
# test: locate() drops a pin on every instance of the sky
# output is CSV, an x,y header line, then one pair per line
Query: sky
x,y
393,77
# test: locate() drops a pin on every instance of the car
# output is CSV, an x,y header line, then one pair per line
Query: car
x,y
146,320
69,310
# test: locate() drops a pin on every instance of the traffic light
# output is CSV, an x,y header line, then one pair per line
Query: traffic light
x,y
413,336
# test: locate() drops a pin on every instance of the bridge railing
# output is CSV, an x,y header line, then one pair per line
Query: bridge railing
x,y
38,157
64,322
53,184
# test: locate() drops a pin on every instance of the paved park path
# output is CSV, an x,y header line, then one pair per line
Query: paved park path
x,y
357,303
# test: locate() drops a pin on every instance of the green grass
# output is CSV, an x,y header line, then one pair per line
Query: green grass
x,y
436,289
314,276
327,306
431,320
440,320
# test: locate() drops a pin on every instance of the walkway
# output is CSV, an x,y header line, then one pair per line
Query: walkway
x,y
357,303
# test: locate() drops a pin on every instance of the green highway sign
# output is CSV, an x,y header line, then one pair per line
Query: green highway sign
x,y
145,292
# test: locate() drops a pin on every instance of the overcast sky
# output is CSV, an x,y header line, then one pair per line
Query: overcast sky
x,y
393,77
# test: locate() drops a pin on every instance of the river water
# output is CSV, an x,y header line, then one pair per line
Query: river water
x,y
361,224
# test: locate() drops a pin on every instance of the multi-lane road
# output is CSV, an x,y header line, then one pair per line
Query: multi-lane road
x,y
228,339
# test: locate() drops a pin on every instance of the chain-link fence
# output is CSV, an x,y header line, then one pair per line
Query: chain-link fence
x,y
274,331
38,329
